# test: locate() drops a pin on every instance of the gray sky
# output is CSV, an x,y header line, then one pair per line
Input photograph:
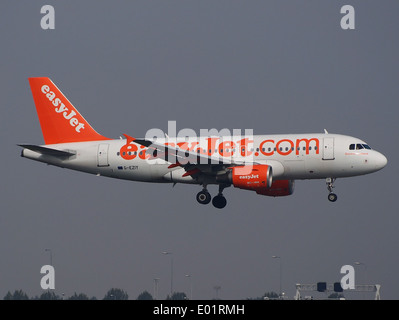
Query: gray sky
x,y
129,66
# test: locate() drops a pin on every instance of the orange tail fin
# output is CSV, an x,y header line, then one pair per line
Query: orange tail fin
x,y
59,120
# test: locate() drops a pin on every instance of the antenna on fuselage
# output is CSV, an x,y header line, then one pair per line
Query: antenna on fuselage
x,y
325,131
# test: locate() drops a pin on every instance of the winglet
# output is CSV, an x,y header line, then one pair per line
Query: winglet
x,y
129,138
174,165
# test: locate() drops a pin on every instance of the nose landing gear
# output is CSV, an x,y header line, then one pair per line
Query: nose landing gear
x,y
330,185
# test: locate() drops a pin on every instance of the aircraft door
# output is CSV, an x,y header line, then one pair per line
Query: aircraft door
x,y
328,149
102,155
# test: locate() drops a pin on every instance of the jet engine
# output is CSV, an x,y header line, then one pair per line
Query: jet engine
x,y
258,178
279,188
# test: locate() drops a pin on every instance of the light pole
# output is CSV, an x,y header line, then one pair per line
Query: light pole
x,y
365,270
281,274
217,288
51,256
191,286
365,274
156,280
171,271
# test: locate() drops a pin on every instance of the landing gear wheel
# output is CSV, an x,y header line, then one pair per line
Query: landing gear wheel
x,y
219,201
204,197
332,197
330,185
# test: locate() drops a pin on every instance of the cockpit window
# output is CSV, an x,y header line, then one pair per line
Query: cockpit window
x,y
359,146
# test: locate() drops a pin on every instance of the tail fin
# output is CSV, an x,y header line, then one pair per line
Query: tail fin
x,y
59,120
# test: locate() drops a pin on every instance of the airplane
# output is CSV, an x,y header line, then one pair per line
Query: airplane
x,y
266,164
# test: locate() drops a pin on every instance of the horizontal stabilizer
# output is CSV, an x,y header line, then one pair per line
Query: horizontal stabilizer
x,y
47,151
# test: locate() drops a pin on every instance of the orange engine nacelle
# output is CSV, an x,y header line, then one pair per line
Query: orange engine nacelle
x,y
258,178
279,188
252,177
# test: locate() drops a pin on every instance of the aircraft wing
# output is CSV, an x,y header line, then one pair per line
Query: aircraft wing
x,y
193,162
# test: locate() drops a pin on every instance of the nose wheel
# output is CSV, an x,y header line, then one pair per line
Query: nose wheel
x,y
332,197
330,185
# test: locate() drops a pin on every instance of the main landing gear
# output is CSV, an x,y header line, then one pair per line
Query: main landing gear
x,y
330,185
218,201
203,196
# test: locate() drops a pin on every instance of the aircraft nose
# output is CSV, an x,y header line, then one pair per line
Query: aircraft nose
x,y
380,161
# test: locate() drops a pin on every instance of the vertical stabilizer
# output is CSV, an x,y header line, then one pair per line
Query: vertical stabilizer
x,y
60,121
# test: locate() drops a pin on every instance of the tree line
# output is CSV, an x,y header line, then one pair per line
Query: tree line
x,y
112,294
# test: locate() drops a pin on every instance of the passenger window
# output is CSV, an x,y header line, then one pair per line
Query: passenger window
x,y
352,147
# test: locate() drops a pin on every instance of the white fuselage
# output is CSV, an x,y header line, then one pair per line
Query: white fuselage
x,y
292,156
